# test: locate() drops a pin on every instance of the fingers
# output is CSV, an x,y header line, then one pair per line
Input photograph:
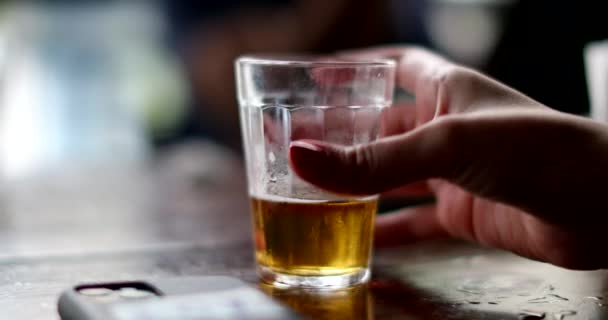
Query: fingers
x,y
415,65
407,226
432,79
387,52
416,189
391,162
443,87
333,73
491,224
331,76
398,119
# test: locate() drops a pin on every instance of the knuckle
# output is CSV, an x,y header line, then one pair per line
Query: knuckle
x,y
452,75
451,82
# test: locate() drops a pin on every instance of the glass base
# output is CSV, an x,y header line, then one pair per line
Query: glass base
x,y
283,280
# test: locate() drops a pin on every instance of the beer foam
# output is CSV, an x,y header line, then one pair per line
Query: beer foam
x,y
276,198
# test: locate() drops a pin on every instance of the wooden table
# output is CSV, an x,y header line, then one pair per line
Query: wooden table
x,y
187,214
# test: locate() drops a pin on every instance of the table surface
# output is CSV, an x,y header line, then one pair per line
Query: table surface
x,y
187,214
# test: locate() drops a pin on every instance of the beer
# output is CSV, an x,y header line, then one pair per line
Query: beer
x,y
343,304
313,237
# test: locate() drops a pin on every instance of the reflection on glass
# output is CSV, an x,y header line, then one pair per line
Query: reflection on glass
x,y
350,303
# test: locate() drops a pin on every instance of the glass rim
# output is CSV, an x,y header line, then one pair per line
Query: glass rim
x,y
312,60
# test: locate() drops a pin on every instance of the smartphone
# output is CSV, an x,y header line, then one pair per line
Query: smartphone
x,y
184,298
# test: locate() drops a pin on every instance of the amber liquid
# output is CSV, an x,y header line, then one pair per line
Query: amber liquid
x,y
353,303
313,238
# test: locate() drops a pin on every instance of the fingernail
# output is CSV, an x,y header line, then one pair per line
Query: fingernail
x,y
305,145
307,160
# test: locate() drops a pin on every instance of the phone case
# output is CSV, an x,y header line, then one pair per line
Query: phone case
x,y
184,298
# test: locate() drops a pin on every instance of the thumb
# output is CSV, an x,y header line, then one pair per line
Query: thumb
x,y
423,153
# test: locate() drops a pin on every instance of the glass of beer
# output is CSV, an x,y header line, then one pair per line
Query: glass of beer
x,y
305,236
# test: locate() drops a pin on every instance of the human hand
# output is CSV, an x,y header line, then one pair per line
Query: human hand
x,y
506,171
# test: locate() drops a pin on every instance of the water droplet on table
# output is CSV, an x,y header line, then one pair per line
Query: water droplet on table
x,y
594,298
564,313
538,300
466,290
531,315
556,296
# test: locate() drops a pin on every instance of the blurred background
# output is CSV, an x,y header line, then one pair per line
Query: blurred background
x,y
118,119
87,83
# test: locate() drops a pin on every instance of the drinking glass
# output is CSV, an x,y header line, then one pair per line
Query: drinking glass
x,y
305,236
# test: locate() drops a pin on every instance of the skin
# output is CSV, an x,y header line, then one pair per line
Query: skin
x,y
507,171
